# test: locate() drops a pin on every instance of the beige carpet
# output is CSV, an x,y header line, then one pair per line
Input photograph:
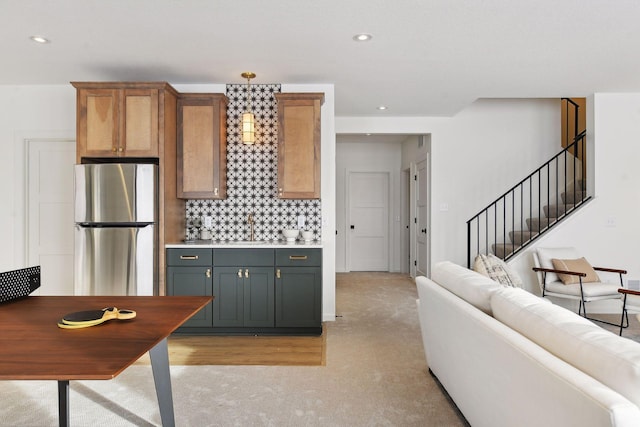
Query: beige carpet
x,y
375,374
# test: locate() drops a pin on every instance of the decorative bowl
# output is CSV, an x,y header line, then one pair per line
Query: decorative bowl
x,y
290,235
307,235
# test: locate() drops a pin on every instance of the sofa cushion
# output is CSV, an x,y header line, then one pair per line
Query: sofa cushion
x,y
610,359
496,269
580,265
472,287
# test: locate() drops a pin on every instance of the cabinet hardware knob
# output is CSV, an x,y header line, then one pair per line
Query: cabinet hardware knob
x,y
215,191
246,273
208,272
113,149
297,257
120,149
240,272
278,273
190,257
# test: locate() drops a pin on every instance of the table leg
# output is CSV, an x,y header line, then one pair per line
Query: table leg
x,y
162,377
63,403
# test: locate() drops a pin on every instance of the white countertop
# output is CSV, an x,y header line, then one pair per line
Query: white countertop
x,y
260,244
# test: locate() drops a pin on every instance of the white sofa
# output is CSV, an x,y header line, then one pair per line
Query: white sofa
x,y
509,358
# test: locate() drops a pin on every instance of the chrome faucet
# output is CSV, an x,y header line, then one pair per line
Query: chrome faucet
x,y
250,221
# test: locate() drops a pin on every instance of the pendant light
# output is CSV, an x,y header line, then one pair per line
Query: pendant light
x,y
248,121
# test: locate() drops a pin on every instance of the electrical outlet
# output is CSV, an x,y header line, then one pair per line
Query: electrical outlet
x,y
300,222
208,222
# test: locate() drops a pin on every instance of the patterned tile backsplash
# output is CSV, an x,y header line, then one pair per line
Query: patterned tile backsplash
x,y
252,178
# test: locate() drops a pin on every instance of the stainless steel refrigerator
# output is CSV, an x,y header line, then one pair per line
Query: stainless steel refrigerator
x,y
115,229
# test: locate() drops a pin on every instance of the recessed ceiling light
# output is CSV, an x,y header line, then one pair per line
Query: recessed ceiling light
x,y
382,107
362,37
39,39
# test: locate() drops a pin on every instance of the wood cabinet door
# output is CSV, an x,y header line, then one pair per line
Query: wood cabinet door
x,y
202,146
97,127
298,296
139,123
192,281
299,145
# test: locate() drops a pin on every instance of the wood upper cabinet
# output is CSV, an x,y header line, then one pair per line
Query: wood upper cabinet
x,y
202,146
118,119
299,145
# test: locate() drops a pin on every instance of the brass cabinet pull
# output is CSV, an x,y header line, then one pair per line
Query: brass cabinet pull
x,y
208,272
215,191
189,257
246,273
120,149
240,272
278,273
297,257
113,149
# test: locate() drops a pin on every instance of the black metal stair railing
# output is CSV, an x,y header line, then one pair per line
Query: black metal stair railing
x,y
531,207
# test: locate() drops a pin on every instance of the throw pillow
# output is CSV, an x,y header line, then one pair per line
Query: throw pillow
x,y
496,269
580,265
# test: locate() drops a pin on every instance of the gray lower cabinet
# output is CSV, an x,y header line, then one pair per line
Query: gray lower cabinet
x,y
244,296
189,273
256,290
298,288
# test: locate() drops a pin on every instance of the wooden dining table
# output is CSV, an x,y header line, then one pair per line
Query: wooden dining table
x,y
33,347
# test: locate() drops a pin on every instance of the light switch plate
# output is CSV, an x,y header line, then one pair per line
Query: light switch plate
x,y
300,222
208,222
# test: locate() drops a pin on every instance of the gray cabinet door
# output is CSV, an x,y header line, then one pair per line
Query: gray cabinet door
x,y
228,292
192,281
244,297
298,297
258,297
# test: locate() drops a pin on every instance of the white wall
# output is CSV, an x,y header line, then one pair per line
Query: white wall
x,y
606,231
475,156
26,112
368,157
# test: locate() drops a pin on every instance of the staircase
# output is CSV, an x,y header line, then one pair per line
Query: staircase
x,y
532,207
538,225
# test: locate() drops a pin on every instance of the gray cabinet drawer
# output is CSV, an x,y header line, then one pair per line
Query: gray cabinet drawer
x,y
298,257
189,257
243,257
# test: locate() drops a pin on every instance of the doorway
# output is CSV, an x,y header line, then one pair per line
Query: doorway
x,y
49,206
368,221
422,217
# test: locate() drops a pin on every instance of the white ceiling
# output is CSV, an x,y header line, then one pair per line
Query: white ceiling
x,y
426,58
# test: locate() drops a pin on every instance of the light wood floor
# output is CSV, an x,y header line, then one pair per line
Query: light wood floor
x,y
246,350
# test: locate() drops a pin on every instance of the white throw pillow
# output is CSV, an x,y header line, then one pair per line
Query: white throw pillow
x,y
610,359
472,287
496,269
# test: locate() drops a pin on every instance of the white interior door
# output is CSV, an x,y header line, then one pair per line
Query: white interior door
x,y
368,221
422,217
50,213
